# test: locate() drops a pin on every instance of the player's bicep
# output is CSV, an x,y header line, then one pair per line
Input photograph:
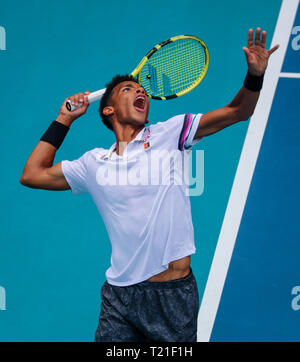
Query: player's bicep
x,y
50,178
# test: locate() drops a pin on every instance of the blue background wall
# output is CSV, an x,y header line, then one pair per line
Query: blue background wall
x,y
54,249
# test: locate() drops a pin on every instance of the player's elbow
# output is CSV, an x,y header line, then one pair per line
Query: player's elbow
x,y
245,118
239,114
245,113
25,180
242,116
28,179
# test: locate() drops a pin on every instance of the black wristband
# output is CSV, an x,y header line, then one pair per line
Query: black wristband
x,y
55,134
253,83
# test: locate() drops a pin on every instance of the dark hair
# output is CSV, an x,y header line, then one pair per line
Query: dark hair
x,y
108,93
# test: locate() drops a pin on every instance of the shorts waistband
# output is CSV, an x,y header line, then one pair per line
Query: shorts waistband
x,y
167,284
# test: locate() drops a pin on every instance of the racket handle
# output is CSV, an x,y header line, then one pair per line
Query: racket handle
x,y
92,97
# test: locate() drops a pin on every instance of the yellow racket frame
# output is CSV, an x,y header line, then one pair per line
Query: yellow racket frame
x,y
137,71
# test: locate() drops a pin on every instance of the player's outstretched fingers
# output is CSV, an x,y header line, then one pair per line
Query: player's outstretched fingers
x,y
250,38
263,39
257,36
271,51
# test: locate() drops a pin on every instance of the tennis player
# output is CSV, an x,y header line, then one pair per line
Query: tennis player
x,y
150,292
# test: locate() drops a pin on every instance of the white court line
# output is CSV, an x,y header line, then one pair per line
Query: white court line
x,y
243,177
289,75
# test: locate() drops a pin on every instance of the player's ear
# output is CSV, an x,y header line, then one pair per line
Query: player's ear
x,y
108,110
147,120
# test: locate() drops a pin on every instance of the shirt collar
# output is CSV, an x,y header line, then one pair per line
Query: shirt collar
x,y
138,138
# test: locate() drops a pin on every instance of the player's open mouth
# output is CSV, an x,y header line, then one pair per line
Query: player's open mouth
x,y
140,103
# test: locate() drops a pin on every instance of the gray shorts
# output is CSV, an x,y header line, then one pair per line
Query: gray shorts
x,y
149,311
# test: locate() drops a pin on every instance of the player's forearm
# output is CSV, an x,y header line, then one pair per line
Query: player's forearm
x,y
244,103
39,171
239,109
40,158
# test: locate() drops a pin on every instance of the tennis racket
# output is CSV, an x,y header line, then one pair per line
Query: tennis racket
x,y
169,70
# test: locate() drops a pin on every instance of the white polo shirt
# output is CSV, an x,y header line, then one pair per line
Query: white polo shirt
x,y
142,198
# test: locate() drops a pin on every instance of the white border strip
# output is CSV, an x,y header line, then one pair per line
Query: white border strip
x,y
289,75
243,177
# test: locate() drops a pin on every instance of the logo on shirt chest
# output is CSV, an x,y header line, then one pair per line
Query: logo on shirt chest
x,y
146,139
146,145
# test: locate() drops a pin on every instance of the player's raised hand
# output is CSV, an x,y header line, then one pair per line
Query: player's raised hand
x,y
80,100
256,54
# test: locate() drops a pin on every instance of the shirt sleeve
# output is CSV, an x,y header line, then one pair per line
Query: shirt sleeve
x,y
182,130
75,173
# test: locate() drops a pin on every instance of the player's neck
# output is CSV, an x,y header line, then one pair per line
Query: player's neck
x,y
124,135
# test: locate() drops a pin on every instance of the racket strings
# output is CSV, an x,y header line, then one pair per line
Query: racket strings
x,y
174,68
184,64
